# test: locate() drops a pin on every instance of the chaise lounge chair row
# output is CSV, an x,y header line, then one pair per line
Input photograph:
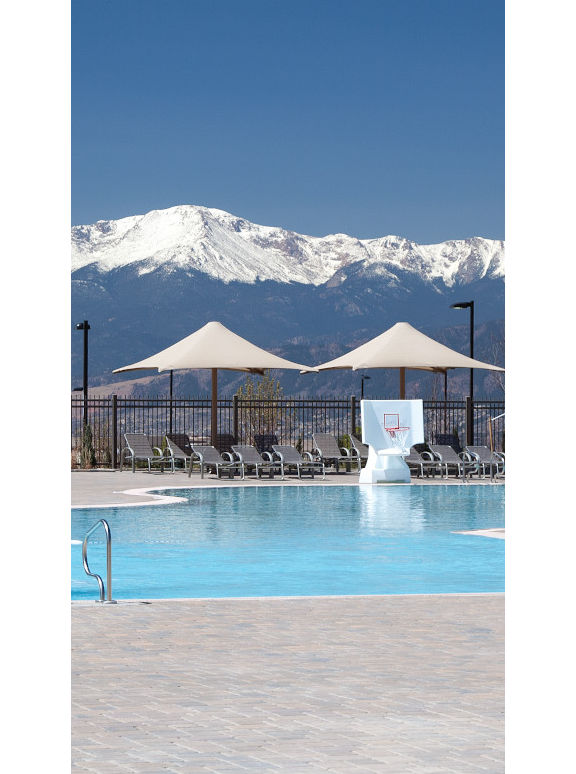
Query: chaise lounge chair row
x,y
281,459
243,458
443,459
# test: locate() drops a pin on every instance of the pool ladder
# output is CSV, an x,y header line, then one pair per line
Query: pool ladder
x,y
102,600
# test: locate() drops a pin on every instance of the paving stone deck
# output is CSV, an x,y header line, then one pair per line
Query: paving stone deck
x,y
351,684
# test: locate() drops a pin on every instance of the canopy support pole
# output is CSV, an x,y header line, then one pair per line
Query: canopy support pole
x,y
214,417
171,392
402,383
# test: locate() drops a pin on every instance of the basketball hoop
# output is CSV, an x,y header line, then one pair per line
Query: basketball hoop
x,y
398,436
396,433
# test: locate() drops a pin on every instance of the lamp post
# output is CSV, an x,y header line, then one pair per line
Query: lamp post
x,y
469,419
362,379
83,326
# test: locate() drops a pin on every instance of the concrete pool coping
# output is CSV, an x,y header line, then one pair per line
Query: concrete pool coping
x,y
154,600
497,532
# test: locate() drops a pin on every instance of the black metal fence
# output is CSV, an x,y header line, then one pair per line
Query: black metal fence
x,y
293,420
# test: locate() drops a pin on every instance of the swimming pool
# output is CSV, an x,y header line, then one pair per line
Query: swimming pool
x,y
298,541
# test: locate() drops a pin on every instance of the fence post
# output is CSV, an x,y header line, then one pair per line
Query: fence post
x,y
235,417
114,432
353,415
469,421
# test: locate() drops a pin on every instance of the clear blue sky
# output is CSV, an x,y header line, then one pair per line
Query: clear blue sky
x,y
368,117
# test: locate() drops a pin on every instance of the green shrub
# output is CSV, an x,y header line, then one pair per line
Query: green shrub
x,y
344,441
87,453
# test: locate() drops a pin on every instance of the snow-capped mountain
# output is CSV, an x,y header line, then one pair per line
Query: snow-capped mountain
x,y
232,249
146,281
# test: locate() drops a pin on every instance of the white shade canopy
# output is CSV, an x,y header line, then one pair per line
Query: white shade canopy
x,y
214,346
402,346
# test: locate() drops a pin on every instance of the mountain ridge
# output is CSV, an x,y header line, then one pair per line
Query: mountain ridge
x,y
230,248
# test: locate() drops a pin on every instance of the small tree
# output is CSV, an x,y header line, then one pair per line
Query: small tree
x,y
497,357
87,453
263,412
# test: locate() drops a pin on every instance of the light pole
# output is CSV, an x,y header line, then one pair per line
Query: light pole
x,y
362,379
83,326
470,428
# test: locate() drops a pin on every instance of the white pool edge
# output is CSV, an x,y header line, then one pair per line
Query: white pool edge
x,y
152,600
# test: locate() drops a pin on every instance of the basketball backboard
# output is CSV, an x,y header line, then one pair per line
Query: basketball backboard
x,y
390,428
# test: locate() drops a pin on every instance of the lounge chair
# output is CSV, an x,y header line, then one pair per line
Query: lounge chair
x,y
487,460
290,457
264,442
138,447
250,458
327,450
423,462
448,439
178,447
449,459
224,442
210,459
359,449
499,472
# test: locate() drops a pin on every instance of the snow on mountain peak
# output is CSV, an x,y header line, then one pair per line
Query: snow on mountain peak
x,y
230,248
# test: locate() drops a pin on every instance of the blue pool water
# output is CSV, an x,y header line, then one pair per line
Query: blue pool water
x,y
294,541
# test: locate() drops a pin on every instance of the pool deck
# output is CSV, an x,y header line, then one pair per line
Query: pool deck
x,y
396,684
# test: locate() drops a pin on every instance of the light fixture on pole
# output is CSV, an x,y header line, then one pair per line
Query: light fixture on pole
x,y
362,378
469,305
84,326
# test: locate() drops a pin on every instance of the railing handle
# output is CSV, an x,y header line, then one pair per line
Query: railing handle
x,y
104,523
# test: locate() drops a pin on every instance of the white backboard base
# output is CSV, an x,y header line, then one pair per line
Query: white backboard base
x,y
384,469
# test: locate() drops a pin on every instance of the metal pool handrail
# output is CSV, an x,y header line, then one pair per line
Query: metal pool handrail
x,y
104,523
